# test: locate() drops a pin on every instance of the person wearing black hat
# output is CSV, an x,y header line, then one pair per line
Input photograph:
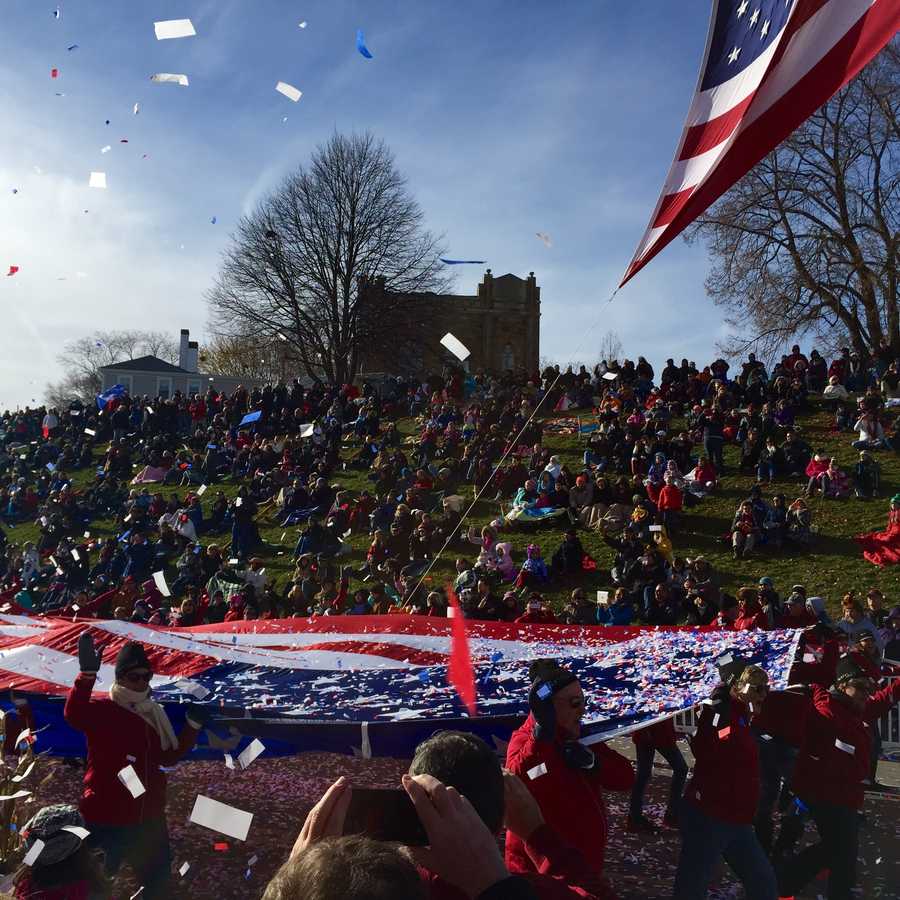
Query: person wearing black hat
x,y
129,738
828,779
60,864
720,801
566,777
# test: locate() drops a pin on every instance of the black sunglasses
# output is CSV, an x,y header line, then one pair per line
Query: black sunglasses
x,y
138,676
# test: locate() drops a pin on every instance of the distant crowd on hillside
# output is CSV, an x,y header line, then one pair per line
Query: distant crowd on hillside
x,y
184,553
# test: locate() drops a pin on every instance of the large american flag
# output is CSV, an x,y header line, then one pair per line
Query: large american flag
x,y
768,66
374,685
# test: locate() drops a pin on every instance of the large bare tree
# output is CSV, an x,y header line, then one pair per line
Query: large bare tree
x,y
298,267
807,243
82,359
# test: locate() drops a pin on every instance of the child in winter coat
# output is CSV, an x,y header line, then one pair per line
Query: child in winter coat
x,y
866,476
534,570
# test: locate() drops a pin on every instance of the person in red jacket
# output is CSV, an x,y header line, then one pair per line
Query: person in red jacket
x,y
536,613
831,769
670,504
720,802
565,777
129,737
750,612
659,738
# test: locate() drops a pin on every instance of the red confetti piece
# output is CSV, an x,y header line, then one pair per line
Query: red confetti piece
x,y
54,73
724,732
12,271
221,846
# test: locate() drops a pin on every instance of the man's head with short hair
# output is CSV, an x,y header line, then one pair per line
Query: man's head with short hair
x,y
467,763
347,868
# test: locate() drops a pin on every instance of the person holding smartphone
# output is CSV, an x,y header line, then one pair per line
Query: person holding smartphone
x,y
565,777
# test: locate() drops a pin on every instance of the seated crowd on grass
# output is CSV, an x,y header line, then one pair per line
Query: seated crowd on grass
x,y
176,486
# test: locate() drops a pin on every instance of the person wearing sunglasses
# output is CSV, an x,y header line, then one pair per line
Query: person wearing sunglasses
x,y
716,816
566,777
129,740
833,764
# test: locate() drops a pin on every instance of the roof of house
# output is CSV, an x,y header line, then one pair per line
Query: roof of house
x,y
147,364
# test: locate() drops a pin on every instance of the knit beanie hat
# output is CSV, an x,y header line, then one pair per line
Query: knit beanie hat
x,y
47,825
550,672
847,669
131,656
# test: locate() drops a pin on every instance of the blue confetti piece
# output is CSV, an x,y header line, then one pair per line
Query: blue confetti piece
x,y
361,45
423,676
73,47
213,220
463,262
496,657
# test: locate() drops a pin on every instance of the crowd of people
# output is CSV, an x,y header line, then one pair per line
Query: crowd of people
x,y
182,552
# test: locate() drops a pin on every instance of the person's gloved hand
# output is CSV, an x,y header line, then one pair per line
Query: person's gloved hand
x,y
540,700
577,756
88,658
198,714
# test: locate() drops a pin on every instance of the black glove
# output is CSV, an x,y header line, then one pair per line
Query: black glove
x,y
577,756
540,699
198,714
88,658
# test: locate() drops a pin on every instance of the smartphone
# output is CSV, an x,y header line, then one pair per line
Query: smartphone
x,y
385,814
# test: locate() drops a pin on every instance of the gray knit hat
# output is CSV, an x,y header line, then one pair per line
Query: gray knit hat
x,y
47,825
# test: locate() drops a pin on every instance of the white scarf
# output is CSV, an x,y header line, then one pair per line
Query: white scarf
x,y
150,711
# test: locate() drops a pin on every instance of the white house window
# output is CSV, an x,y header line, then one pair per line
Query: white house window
x,y
164,387
193,388
508,358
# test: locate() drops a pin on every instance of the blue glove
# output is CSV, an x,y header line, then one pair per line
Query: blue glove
x,y
540,700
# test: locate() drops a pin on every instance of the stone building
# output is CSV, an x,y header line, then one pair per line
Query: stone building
x,y
500,325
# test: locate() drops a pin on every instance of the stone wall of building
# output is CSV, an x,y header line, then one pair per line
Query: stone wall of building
x,y
500,325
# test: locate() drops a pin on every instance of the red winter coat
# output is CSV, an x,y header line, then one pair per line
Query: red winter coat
x,y
537,618
725,783
113,735
670,498
751,618
657,736
826,772
783,715
571,800
559,872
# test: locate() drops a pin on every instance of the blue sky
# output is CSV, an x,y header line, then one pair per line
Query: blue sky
x,y
508,118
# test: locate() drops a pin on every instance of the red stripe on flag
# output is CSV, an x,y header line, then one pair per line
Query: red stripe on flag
x,y
672,205
710,134
369,648
460,673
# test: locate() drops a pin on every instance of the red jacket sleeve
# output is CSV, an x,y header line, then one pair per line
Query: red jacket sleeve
x,y
77,710
881,701
553,857
186,741
614,771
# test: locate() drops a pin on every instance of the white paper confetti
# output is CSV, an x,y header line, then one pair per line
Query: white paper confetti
x,y
229,761
610,376
35,851
90,431
201,490
196,690
307,430
168,78
97,180
184,869
130,779
456,346
289,91
18,795
174,28
24,775
161,584
545,238
251,752
77,830
106,149
847,748
302,24
136,109
537,771
222,818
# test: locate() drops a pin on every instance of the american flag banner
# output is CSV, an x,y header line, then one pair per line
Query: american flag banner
x,y
375,685
768,66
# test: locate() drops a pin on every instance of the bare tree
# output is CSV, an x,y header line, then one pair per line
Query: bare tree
x,y
243,357
610,347
82,359
807,243
300,266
